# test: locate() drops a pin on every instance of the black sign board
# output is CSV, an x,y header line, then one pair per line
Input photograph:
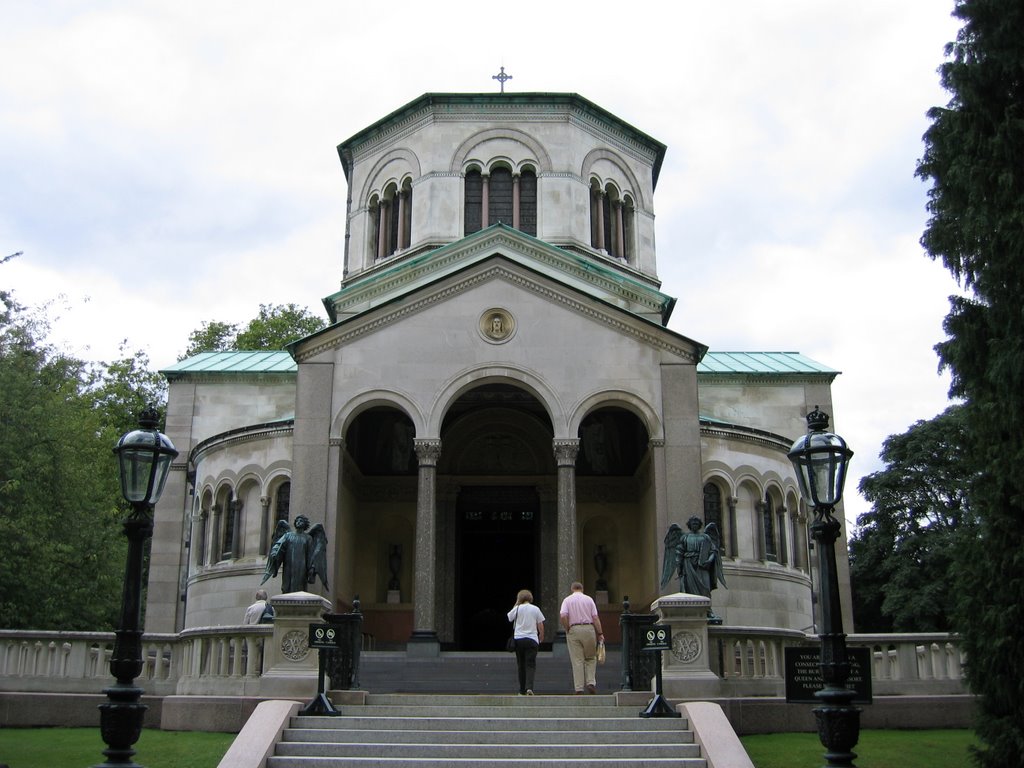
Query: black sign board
x,y
803,675
657,637
323,636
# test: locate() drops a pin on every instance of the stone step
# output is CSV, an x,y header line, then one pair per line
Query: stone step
x,y
490,700
458,672
450,729
512,751
557,762
494,723
484,736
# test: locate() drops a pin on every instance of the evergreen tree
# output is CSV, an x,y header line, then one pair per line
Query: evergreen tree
x,y
974,158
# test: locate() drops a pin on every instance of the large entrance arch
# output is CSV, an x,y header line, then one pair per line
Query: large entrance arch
x,y
496,480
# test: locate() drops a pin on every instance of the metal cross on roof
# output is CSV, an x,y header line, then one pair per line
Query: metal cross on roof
x,y
501,77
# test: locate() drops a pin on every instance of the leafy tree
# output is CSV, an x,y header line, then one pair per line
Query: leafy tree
x,y
974,158
212,336
273,328
276,326
59,519
901,553
123,388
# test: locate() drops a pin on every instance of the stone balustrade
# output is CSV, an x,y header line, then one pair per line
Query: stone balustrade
x,y
750,661
228,661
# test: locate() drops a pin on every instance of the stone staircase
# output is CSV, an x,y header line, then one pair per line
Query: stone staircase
x,y
427,731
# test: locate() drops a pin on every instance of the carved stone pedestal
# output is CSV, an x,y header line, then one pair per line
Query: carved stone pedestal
x,y
290,665
686,669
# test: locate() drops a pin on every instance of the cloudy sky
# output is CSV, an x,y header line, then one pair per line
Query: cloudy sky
x,y
166,163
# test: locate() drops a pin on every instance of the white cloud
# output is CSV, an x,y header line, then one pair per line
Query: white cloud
x,y
177,161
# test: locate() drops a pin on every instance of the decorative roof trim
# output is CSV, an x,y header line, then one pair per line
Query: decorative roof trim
x,y
241,435
661,338
413,272
713,428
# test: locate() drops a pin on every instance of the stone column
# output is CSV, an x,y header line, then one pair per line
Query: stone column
x,y
731,503
600,221
424,641
197,542
485,199
566,452
515,201
662,515
264,525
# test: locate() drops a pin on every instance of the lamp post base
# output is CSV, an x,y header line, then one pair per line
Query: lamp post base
x,y
121,725
838,726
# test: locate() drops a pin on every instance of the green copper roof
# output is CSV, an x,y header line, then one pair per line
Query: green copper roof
x,y
713,362
233,362
760,363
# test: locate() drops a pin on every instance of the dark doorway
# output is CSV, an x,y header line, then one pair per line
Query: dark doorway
x,y
497,546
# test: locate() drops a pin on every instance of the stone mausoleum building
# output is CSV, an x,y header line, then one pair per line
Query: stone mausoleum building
x,y
496,401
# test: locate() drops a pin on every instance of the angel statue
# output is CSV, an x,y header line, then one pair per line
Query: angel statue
x,y
302,553
694,556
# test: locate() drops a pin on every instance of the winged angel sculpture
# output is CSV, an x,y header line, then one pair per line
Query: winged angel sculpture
x,y
300,555
695,557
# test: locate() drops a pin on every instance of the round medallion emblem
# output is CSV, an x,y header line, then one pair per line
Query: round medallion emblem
x,y
295,645
685,647
497,325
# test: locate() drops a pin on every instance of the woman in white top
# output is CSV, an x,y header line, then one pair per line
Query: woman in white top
x,y
528,634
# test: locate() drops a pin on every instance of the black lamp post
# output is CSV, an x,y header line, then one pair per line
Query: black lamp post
x,y
820,459
144,458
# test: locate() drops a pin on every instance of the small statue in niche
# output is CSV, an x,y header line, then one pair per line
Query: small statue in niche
x,y
395,566
300,555
601,566
695,557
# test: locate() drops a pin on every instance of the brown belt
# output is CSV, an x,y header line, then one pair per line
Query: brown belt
x,y
582,624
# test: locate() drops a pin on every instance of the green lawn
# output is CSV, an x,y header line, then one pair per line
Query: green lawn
x,y
876,749
83,747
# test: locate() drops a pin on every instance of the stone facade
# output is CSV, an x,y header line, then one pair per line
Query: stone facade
x,y
496,397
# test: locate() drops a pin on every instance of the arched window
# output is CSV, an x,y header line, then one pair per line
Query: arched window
x,y
230,508
611,222
501,196
391,215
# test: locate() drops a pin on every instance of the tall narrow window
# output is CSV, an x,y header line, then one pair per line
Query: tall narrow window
x,y
628,225
768,524
230,512
499,208
282,503
713,508
781,527
474,201
528,203
607,238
